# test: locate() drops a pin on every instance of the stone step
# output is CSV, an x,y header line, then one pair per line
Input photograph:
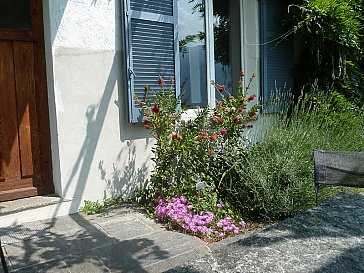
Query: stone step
x,y
31,209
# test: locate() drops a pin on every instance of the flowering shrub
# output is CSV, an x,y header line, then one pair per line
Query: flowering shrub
x,y
193,158
178,213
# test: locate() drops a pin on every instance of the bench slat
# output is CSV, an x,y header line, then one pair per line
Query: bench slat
x,y
338,169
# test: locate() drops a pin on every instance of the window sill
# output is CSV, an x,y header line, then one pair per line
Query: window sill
x,y
190,114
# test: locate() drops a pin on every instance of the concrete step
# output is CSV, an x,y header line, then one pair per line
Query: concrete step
x,y
30,209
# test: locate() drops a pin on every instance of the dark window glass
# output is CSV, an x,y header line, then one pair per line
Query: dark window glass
x,y
227,43
14,14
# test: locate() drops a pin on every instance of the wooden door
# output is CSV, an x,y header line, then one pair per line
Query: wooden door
x,y
25,157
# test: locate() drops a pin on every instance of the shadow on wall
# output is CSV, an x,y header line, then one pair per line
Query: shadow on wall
x,y
120,181
96,119
127,181
56,17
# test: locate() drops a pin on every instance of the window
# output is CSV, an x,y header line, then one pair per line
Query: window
x,y
195,41
192,52
227,42
277,56
195,26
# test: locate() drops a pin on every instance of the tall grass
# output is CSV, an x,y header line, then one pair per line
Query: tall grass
x,y
276,178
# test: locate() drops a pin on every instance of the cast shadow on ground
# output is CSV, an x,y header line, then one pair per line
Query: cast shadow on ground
x,y
79,246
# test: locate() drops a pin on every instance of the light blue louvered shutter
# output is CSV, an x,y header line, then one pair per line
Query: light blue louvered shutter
x,y
277,52
151,48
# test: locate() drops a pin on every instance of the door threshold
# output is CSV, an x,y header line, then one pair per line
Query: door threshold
x,y
14,206
17,194
34,208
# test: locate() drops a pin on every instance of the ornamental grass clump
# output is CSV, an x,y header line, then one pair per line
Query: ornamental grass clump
x,y
276,179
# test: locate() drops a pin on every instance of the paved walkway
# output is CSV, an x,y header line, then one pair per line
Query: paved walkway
x,y
123,240
329,238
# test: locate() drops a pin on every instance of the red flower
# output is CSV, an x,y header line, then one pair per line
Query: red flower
x,y
244,125
223,131
160,80
155,109
222,88
221,121
236,119
174,135
213,137
252,97
214,120
147,126
242,101
242,74
240,110
171,80
146,121
202,136
254,118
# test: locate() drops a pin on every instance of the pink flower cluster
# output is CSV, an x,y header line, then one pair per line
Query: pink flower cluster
x,y
226,225
180,212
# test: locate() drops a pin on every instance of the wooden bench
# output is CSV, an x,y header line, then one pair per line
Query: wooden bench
x,y
338,169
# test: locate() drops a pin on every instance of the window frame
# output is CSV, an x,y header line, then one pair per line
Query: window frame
x,y
210,55
130,14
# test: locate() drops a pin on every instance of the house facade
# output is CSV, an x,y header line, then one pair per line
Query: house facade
x,y
69,71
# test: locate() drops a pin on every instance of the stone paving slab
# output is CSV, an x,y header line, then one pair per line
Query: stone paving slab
x,y
23,232
329,238
122,240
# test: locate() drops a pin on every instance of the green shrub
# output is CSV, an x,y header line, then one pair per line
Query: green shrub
x,y
332,46
269,180
192,156
275,179
92,207
186,151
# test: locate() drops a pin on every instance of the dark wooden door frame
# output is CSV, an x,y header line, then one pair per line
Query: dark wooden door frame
x,y
26,42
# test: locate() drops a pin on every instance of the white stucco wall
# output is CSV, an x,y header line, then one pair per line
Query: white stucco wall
x,y
96,152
